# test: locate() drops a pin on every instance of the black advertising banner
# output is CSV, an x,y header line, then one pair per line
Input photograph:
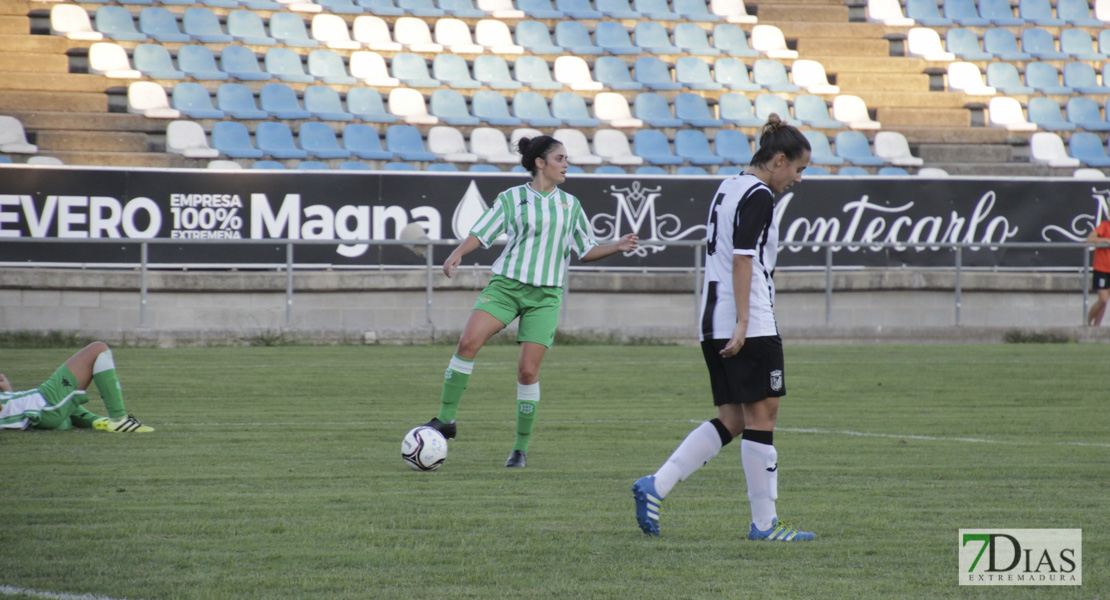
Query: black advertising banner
x,y
200,208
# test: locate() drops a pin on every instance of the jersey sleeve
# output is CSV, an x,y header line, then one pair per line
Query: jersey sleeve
x,y
582,237
752,215
492,222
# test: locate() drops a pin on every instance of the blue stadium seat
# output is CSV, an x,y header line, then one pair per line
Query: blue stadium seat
x,y
381,8
237,101
400,166
650,170
1079,45
731,40
1077,13
850,171
462,9
247,27
285,65
616,9
813,111
367,105
570,108
442,167
1081,77
1039,13
539,9
694,110
693,147
926,13
893,172
324,104
654,110
1044,78
453,71
691,170
1046,114
493,71
364,142
484,168
269,165
115,22
1088,148
733,74
613,72
614,38
532,108
736,109
412,70
153,60
692,39
530,71
450,107
340,7
610,170
193,101
964,43
327,65
421,8
281,102
693,73
578,9
695,10
654,74
653,147
289,29
653,38
161,24
319,140
241,63
276,140
733,146
656,10
771,74
535,38
765,104
312,165
999,13
354,165
853,147
1002,44
1004,77
820,149
575,38
1041,44
1084,112
197,62
964,13
813,170
491,107
231,138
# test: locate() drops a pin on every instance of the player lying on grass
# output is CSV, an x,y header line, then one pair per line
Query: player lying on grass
x,y
57,403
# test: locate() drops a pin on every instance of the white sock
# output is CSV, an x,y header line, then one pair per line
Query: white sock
x,y
761,469
701,445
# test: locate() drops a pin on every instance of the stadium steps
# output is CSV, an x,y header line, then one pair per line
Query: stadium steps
x,y
977,136
809,11
895,117
10,24
34,63
821,47
89,121
91,141
158,160
34,44
57,82
68,102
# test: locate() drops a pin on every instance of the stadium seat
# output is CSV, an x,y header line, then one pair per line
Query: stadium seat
x,y
691,171
732,11
493,72
491,146
653,147
154,61
340,7
770,74
613,73
654,74
369,67
656,10
400,166
1088,173
1039,13
229,165
732,41
892,172
1081,77
820,149
193,101
237,101
185,138
539,9
449,106
852,111
331,31
736,109
813,111
319,140
412,70
575,38
612,110
246,26
526,132
500,9
414,35
420,8
312,165
965,77
1084,112
733,146
932,172
280,101
197,61
1079,45
461,9
327,66
610,170
578,9
573,72
364,142
494,36
733,74
768,40
232,139
115,22
810,76
1044,78
924,42
691,38
408,105
852,171
964,13
964,43
535,38
809,171
692,146
694,110
1077,13
448,144
1088,148
373,32
1047,148
654,110
276,140
487,168
653,38
149,99
491,107
1006,113
893,148
452,70
578,147
285,65
887,12
532,108
1046,114
617,9
999,13
354,165
454,36
160,24
570,108
693,74
73,22
614,38
1004,77
1040,44
366,104
766,104
289,29
854,148
1002,44
241,63
613,147
651,170
324,104
926,13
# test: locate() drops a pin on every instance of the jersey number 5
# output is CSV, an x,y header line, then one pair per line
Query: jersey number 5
x,y
711,243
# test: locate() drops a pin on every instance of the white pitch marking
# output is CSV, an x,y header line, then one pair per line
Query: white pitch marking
x,y
7,590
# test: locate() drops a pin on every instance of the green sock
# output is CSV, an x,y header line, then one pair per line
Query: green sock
x,y
104,374
83,418
454,384
528,402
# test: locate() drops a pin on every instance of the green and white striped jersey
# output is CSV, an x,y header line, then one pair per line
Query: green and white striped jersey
x,y
542,230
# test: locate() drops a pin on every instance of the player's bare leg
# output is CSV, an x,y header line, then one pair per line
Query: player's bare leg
x,y
480,327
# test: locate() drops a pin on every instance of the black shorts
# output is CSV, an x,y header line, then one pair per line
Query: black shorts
x,y
755,373
1101,280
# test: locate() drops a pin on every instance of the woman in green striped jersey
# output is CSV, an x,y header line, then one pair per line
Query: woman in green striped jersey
x,y
543,224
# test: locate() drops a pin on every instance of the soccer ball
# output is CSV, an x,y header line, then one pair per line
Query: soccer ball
x,y
424,449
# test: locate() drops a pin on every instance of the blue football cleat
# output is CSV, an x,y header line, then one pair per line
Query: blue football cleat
x,y
647,504
780,532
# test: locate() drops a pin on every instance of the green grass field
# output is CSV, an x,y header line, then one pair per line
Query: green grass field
x,y
275,473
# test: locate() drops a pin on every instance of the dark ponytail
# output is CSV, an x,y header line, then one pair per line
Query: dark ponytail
x,y
776,137
532,148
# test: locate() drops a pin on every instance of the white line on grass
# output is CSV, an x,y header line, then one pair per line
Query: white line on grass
x,y
8,590
932,438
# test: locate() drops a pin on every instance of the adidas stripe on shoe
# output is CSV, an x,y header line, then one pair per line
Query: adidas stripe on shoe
x,y
126,424
647,504
780,532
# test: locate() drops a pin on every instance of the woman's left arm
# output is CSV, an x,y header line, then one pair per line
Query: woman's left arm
x,y
627,243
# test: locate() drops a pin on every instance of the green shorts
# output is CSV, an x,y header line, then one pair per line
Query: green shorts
x,y
538,308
